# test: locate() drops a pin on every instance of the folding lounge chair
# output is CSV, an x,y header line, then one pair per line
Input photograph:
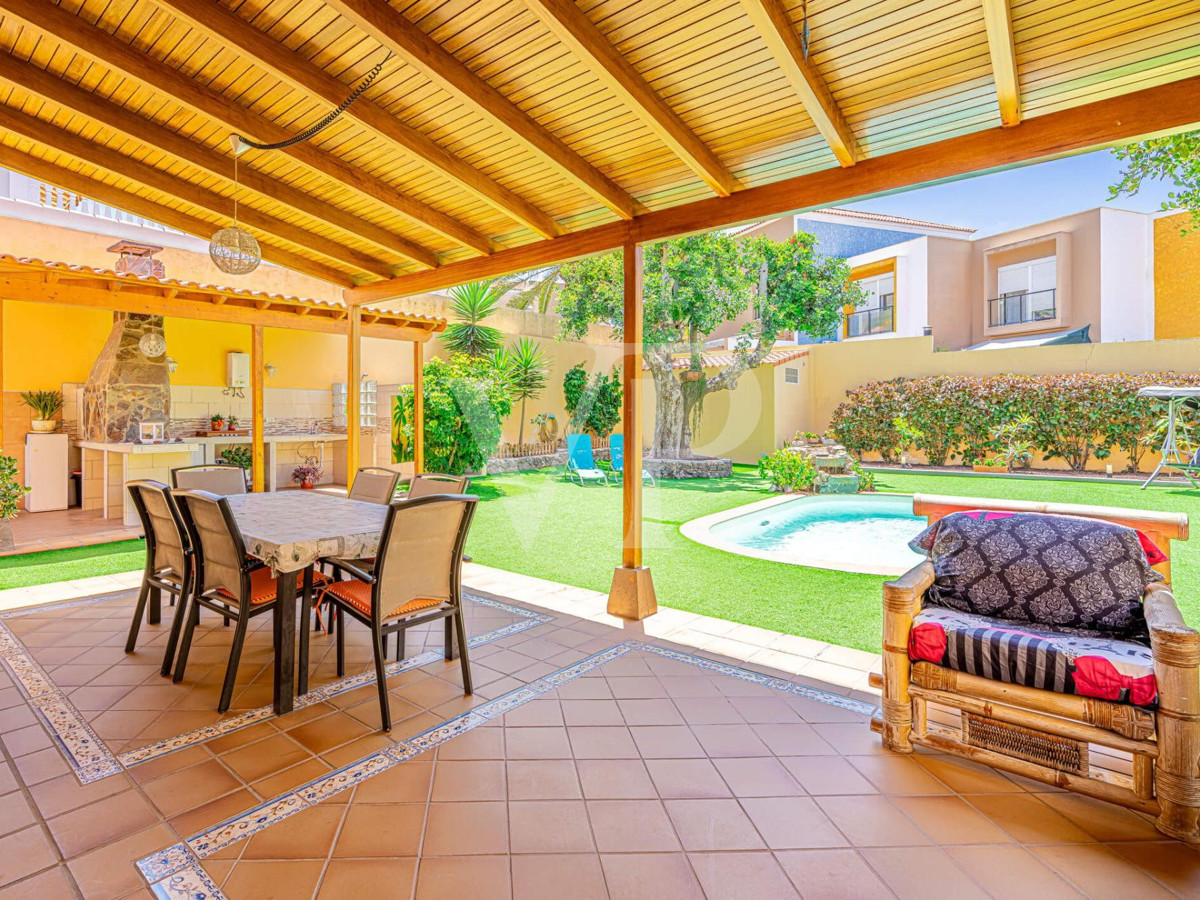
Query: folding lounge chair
x,y
616,446
581,464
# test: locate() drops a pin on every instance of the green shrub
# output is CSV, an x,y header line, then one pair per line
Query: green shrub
x,y
594,406
238,455
787,471
11,492
466,400
1075,417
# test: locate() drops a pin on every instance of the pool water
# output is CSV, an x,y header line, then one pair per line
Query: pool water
x,y
859,533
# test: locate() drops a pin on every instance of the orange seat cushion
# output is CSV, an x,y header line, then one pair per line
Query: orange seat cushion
x,y
262,586
358,594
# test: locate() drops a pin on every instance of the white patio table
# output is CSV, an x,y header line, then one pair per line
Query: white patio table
x,y
290,531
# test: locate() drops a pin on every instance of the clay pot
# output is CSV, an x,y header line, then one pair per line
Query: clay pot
x,y
692,376
44,426
306,485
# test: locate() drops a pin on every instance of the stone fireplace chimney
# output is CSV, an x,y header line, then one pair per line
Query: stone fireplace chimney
x,y
126,386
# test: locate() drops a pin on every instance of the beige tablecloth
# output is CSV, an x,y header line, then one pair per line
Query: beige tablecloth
x,y
290,530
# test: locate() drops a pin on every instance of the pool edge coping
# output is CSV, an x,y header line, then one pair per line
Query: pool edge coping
x,y
699,531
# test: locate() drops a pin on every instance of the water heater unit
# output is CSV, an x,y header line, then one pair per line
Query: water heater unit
x,y
238,375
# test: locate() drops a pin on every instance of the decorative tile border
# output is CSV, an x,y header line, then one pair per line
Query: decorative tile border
x,y
183,859
91,760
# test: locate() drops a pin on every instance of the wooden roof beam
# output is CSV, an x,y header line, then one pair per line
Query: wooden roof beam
x,y
268,53
997,19
1162,109
41,83
592,47
42,132
140,206
393,30
774,26
113,53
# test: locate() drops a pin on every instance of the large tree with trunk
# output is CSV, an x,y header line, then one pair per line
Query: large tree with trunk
x,y
691,285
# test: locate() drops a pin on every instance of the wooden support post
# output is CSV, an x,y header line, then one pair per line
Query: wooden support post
x,y
258,442
632,594
418,407
353,391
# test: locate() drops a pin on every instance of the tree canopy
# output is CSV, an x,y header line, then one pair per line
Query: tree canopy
x,y
1175,158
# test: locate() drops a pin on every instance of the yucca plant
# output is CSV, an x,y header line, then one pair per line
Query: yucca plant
x,y
471,304
44,403
526,374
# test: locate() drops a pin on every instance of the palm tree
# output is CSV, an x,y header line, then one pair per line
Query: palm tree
x,y
471,304
527,376
534,289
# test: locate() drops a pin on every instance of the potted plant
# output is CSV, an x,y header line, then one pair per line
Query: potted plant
x,y
986,465
233,423
45,404
811,437
217,422
305,475
238,455
10,499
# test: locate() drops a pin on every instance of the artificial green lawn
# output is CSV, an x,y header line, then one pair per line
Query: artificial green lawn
x,y
538,523
551,528
66,565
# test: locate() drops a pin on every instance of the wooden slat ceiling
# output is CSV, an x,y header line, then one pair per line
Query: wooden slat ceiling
x,y
490,127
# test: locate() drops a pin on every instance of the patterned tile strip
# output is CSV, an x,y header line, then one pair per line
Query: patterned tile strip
x,y
184,856
91,760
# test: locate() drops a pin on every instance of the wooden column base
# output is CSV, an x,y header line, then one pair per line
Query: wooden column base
x,y
632,594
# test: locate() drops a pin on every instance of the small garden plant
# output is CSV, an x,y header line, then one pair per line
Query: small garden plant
x,y
239,456
306,475
44,403
787,471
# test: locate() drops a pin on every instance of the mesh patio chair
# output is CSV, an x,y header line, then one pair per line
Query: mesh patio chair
x,y
427,484
223,481
168,561
228,581
417,579
374,485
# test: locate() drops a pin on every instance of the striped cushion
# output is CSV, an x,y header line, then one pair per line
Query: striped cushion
x,y
1088,665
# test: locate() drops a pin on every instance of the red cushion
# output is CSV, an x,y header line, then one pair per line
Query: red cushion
x,y
262,586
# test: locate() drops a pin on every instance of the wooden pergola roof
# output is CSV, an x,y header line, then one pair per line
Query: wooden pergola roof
x,y
503,134
40,281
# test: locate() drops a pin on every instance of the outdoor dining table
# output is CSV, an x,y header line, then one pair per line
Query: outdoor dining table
x,y
289,531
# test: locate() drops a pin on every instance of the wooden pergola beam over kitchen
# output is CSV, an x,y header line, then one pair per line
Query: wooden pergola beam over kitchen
x,y
39,281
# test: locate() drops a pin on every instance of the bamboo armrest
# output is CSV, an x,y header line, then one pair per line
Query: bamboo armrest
x,y
904,594
1174,642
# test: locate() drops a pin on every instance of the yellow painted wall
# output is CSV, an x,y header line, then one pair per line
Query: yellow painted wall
x,y
45,345
1176,278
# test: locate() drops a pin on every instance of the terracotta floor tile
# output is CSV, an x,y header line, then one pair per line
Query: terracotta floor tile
x,y
15,813
269,880
1010,873
1171,862
536,743
730,740
713,825
108,871
820,775
793,739
90,826
965,776
897,775
543,779
602,742
378,879
407,782
686,778
455,829
750,776
788,823
666,742
469,780
25,852
41,765
479,743
190,787
482,877
1028,819
830,874
321,735
549,826
585,689
922,873
870,821
628,826
615,779
949,820
851,738
543,711
591,712
766,710
292,777
552,876
64,793
689,686
650,712
708,711
1104,821
1099,872
26,740
635,876
309,834
645,687
384,829
51,884
206,815
266,757
736,876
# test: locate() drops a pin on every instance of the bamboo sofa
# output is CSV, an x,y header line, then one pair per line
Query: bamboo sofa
x,y
1044,734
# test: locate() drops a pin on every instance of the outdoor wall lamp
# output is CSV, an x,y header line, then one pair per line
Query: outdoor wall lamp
x,y
270,370
172,365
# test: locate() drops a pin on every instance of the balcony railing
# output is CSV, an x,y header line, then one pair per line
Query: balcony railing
x,y
1017,309
877,320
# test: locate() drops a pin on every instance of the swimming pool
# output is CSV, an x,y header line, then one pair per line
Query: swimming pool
x,y
857,533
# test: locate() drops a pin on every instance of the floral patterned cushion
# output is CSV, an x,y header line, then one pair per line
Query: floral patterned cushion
x,y
1062,571
1053,659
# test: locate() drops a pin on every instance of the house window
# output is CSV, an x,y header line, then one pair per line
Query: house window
x,y
791,376
878,314
1025,292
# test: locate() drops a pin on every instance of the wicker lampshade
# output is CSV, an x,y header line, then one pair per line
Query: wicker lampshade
x,y
234,251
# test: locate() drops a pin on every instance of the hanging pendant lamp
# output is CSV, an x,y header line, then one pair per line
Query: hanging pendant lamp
x,y
234,250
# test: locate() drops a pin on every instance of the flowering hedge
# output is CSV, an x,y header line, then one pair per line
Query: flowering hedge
x,y
1076,417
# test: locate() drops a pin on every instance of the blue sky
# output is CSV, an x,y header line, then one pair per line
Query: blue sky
x,y
1022,196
